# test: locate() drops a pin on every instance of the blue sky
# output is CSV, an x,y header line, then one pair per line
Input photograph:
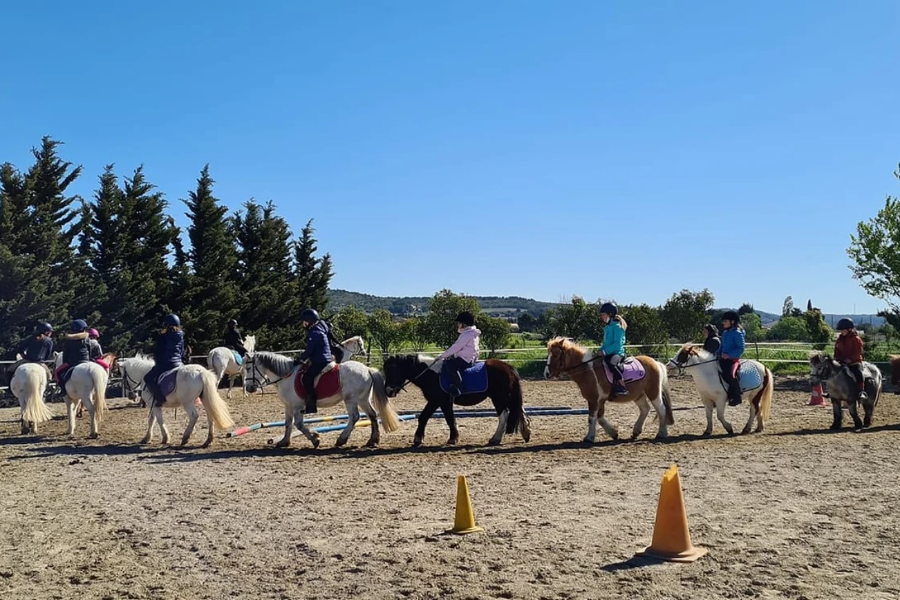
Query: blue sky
x,y
608,149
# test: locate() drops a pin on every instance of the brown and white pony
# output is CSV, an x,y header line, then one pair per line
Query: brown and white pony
x,y
894,361
584,368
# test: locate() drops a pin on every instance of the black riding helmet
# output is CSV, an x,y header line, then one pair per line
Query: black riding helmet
x,y
845,323
78,325
171,320
730,315
466,318
43,328
609,308
232,323
309,315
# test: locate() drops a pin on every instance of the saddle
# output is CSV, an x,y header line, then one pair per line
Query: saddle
x,y
632,370
474,379
237,357
327,383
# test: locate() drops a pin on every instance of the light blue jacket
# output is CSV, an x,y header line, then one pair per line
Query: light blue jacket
x,y
732,343
613,339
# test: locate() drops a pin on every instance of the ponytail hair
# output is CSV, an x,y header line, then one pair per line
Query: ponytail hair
x,y
621,321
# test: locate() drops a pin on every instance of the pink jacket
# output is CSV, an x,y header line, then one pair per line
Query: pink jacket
x,y
465,347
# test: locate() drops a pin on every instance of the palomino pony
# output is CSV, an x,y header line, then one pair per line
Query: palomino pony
x,y
184,385
28,385
589,373
357,383
223,361
757,387
502,385
86,385
842,387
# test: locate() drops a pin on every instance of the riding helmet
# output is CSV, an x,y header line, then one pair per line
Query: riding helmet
x,y
232,323
846,323
79,325
610,309
93,333
43,328
171,320
309,315
466,318
730,315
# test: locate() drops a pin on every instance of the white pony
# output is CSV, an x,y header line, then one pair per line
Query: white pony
x,y
192,381
353,347
704,368
221,361
87,386
358,382
28,385
132,371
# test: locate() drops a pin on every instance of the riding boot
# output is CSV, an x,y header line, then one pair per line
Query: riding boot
x,y
311,403
619,389
454,392
734,394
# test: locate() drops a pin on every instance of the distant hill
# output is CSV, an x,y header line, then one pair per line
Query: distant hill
x,y
512,305
406,305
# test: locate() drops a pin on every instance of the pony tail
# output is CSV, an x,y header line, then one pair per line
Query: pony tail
x,y
622,321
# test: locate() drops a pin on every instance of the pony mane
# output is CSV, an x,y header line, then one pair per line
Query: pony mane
x,y
139,357
894,360
566,344
250,343
278,364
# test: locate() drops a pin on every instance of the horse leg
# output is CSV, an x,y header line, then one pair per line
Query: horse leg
x,y
92,413
868,408
447,409
79,411
837,413
158,413
193,414
151,422
352,418
720,413
312,436
288,426
375,436
754,410
593,408
426,414
606,425
230,385
502,418
708,406
643,411
853,405
660,408
70,413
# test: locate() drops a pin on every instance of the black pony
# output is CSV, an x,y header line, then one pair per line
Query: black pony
x,y
504,389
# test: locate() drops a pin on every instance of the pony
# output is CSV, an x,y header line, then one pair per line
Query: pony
x,y
504,388
352,347
357,384
191,382
108,359
842,387
221,361
86,385
132,371
28,385
703,367
894,361
588,372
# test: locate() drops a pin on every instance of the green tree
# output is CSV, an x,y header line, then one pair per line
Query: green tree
x,y
875,251
415,332
789,329
312,274
385,332
269,304
685,313
495,332
817,330
442,310
746,308
349,322
645,327
212,293
527,322
752,324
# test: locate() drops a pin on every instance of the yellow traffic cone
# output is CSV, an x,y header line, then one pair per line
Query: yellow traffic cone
x,y
671,537
465,518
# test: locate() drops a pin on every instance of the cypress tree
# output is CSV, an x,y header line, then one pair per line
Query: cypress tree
x,y
312,275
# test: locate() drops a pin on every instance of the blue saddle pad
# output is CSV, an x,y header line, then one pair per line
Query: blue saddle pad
x,y
237,357
474,379
167,381
749,376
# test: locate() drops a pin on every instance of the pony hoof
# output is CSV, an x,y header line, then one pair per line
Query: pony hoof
x,y
339,443
835,427
493,442
452,441
282,443
707,433
416,444
315,443
145,440
730,432
94,436
526,437
745,431
660,436
372,444
587,440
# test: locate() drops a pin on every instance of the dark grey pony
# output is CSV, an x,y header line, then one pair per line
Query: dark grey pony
x,y
842,387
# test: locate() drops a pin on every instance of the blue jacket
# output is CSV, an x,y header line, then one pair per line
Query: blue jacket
x,y
34,350
732,343
318,350
169,350
613,339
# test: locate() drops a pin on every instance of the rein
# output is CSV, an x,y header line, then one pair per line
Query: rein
x,y
412,379
265,378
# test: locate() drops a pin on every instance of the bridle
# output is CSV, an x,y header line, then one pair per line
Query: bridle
x,y
413,379
250,361
585,364
683,366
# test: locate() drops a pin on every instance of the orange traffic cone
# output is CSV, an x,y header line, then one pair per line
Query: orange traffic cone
x,y
671,538
465,518
816,397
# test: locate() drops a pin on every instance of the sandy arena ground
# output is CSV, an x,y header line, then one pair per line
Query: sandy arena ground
x,y
796,512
